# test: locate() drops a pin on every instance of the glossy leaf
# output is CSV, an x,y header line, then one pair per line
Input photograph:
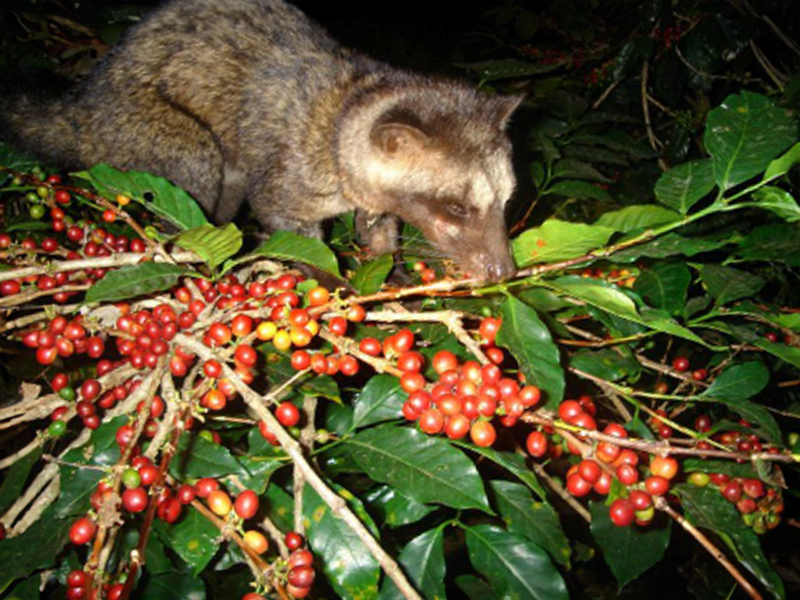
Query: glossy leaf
x,y
281,507
35,549
349,567
516,567
558,240
160,196
371,276
397,509
727,284
197,457
580,190
77,486
16,477
475,588
11,158
614,301
665,285
535,521
380,400
135,280
194,538
422,560
782,165
512,462
493,70
684,185
775,242
529,340
213,244
172,586
739,381
778,201
606,364
628,551
743,136
285,245
577,169
635,218
424,467
707,508
668,245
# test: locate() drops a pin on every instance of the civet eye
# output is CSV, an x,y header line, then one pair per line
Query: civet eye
x,y
457,209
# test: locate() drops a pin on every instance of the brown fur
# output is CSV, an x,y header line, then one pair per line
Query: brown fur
x,y
238,100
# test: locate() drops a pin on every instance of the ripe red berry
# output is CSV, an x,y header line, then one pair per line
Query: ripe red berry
x,y
287,414
246,505
293,540
134,499
578,486
621,512
82,531
680,364
483,434
569,410
536,444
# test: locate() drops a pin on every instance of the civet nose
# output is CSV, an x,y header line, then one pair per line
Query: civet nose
x,y
497,268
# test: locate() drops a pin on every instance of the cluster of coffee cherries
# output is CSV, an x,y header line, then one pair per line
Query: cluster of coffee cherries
x,y
297,572
78,582
70,240
760,506
621,277
466,397
609,462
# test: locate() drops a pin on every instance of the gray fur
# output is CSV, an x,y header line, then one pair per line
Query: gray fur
x,y
238,100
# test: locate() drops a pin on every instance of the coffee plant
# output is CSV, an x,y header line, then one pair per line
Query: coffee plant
x,y
186,413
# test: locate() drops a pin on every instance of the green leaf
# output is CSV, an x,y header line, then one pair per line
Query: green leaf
x,y
707,508
684,185
285,245
730,468
635,218
14,159
35,549
614,301
775,242
778,201
281,507
739,381
213,244
172,586
397,509
27,589
16,477
727,284
606,364
423,467
665,285
156,193
135,280
580,190
781,166
529,340
475,589
628,551
577,169
493,70
371,276
668,245
194,538
558,240
102,448
197,457
349,567
756,414
77,486
516,567
744,134
512,462
422,560
535,521
381,400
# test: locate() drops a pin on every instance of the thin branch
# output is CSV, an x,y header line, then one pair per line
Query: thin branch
x,y
664,506
337,504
